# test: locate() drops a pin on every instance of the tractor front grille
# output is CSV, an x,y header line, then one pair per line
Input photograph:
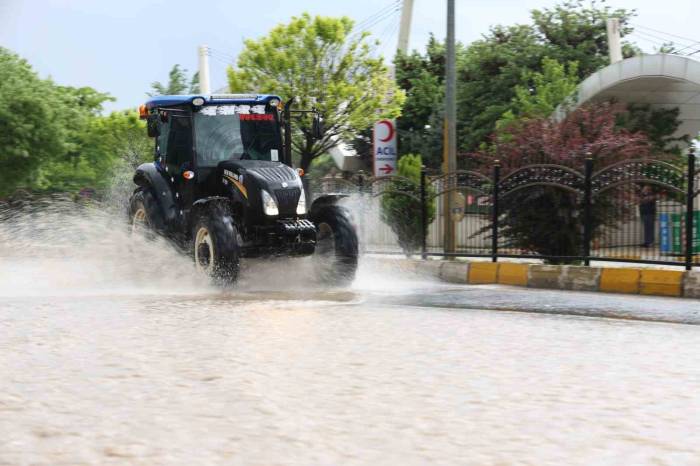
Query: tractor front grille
x,y
282,173
287,199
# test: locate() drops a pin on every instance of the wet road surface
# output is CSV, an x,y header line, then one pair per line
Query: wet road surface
x,y
157,369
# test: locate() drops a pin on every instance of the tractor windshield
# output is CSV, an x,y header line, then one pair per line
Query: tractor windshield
x,y
227,135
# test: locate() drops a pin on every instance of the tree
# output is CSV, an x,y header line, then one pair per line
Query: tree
x,y
177,83
575,31
490,70
420,125
544,92
545,219
28,135
319,61
403,213
72,170
659,124
42,126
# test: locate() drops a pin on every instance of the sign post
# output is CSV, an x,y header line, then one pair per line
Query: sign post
x,y
384,146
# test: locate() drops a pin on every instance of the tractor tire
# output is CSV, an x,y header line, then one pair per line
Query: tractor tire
x,y
144,214
215,246
336,255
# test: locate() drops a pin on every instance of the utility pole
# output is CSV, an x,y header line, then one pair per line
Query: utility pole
x,y
405,27
450,150
204,85
614,43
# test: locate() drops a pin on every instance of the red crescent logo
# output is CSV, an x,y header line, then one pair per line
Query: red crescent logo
x,y
390,127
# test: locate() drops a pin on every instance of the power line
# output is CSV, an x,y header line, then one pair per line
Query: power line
x,y
652,41
396,7
665,33
688,47
661,40
392,30
213,51
362,24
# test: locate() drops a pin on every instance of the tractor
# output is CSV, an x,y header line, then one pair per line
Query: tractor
x,y
222,187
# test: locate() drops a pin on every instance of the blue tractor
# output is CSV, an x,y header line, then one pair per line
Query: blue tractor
x,y
222,187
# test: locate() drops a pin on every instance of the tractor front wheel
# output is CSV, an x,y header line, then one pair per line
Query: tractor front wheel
x,y
215,247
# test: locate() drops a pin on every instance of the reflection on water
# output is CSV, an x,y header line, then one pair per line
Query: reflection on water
x,y
115,353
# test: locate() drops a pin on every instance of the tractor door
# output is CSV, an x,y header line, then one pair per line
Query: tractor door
x,y
179,159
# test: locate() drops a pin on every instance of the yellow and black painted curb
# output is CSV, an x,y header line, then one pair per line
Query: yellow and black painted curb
x,y
644,281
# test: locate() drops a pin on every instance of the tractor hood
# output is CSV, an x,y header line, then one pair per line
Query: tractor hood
x,y
279,180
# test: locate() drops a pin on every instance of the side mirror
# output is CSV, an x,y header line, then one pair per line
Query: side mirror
x,y
317,129
152,126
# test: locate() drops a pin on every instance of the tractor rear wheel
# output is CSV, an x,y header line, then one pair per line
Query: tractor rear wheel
x,y
215,247
144,216
336,255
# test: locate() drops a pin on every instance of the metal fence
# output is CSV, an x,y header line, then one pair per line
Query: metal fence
x,y
644,211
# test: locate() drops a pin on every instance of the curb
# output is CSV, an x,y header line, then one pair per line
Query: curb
x,y
642,281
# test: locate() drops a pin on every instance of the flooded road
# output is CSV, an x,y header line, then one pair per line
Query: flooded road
x,y
108,359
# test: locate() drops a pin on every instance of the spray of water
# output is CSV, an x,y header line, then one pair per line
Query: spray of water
x,y
54,246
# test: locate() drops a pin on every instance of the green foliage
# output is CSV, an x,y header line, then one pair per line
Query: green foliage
x,y
490,71
28,136
177,83
543,93
659,124
403,213
53,138
420,125
574,31
318,60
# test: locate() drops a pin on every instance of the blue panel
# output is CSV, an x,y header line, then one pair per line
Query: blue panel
x,y
170,100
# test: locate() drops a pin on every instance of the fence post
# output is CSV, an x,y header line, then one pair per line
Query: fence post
x,y
363,207
689,210
587,227
494,211
423,215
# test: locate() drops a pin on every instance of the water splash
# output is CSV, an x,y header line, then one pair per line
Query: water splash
x,y
54,246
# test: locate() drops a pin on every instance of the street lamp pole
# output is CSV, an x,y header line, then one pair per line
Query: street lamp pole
x,y
450,152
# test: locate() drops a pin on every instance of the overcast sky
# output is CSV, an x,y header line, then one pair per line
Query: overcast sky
x,y
120,47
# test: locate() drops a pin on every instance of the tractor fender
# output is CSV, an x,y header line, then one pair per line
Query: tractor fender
x,y
208,201
147,176
203,204
325,200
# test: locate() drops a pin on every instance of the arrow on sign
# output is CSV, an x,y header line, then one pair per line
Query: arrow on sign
x,y
386,169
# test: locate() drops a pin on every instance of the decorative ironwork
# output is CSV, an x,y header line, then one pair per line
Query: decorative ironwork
x,y
460,180
646,171
600,228
557,176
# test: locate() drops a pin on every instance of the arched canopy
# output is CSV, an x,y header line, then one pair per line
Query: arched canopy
x,y
660,80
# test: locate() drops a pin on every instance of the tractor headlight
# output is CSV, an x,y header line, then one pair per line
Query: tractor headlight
x,y
301,205
269,204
